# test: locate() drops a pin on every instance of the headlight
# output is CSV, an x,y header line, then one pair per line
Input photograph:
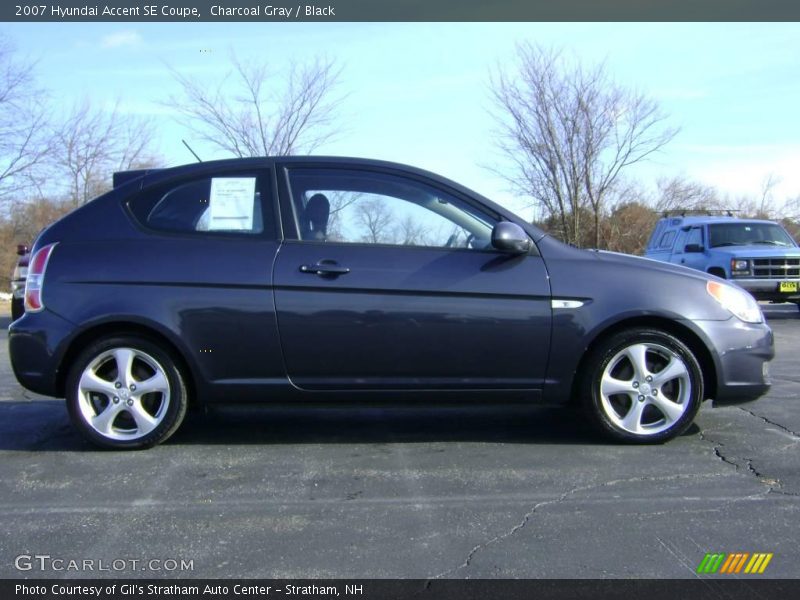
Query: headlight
x,y
736,300
740,265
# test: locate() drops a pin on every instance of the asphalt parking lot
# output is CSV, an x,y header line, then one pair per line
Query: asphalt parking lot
x,y
446,493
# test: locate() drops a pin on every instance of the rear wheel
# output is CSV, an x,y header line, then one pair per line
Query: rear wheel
x,y
642,386
126,392
17,308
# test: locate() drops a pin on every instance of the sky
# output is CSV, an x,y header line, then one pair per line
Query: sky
x,y
418,93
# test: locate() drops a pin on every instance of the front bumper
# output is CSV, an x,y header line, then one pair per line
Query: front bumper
x,y
18,289
767,289
740,352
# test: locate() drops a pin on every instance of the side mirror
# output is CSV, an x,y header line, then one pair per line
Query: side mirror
x,y
693,248
510,237
22,249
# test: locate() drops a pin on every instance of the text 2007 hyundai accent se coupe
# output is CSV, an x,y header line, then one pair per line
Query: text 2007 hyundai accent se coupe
x,y
332,279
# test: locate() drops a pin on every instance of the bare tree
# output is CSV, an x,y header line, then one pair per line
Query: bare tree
x,y
376,218
411,231
569,132
679,193
92,143
766,205
23,122
339,202
255,112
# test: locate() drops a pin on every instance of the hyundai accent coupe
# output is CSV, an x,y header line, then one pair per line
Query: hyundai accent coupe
x,y
325,280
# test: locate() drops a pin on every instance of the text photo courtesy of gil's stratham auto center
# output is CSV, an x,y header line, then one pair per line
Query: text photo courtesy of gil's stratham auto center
x,y
397,300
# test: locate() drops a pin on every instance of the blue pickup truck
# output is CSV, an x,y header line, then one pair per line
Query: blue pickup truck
x,y
757,255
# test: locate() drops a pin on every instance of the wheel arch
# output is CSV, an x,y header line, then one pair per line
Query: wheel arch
x,y
115,328
681,331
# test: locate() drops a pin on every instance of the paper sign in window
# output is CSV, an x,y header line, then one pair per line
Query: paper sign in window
x,y
232,203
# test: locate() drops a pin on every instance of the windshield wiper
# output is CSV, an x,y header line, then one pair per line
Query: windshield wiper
x,y
726,244
770,242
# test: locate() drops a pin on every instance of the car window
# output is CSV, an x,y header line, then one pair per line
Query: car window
x,y
229,204
349,206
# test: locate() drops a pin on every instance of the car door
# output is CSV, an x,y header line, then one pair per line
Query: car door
x,y
391,282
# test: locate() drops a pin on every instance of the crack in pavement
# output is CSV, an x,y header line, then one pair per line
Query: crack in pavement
x,y
717,445
561,498
784,493
771,482
794,434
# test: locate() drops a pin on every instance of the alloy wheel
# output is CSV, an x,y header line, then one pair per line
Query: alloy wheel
x,y
645,389
123,394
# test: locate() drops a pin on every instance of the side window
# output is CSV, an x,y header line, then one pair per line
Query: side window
x,y
695,236
680,241
348,206
667,239
226,204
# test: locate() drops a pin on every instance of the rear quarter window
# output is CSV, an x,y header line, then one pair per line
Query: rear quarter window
x,y
227,205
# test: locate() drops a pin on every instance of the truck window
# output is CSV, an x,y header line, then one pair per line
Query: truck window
x,y
667,239
695,236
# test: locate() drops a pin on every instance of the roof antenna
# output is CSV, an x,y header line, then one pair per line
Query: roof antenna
x,y
192,151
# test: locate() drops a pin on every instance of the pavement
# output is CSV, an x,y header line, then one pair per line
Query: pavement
x,y
410,493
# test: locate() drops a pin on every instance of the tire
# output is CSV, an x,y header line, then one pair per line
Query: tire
x,y
140,408
17,308
642,386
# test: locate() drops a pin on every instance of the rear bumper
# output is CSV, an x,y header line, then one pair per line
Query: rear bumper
x,y
35,345
741,353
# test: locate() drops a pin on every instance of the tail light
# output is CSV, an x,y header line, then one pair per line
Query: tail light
x,y
35,280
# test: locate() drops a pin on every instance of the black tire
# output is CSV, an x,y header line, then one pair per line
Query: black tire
x,y
17,308
171,406
608,412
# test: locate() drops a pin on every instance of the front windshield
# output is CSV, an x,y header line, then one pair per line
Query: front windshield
x,y
745,234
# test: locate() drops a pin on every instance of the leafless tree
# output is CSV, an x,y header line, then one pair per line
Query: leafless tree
x,y
791,209
92,143
253,111
376,219
766,205
23,122
569,132
339,202
680,193
411,231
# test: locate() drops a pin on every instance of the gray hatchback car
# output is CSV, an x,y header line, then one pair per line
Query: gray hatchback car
x,y
332,280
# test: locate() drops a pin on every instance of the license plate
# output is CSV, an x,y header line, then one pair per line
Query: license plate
x,y
788,286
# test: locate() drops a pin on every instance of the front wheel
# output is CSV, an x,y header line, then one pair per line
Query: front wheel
x,y
642,386
126,392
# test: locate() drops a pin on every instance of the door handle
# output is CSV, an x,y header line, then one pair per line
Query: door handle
x,y
324,269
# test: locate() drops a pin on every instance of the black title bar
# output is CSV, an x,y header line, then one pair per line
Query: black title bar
x,y
751,588
398,10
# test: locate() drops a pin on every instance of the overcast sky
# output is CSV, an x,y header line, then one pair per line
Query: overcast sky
x,y
418,93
